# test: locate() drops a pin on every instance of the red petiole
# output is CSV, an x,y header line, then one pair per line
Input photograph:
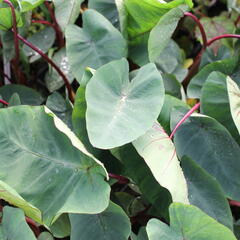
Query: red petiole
x,y
39,51
16,44
186,116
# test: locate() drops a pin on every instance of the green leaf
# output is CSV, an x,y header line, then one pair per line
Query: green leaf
x,y
66,12
138,171
164,117
227,66
45,236
28,96
107,8
61,227
210,198
166,169
188,222
113,223
97,43
43,39
28,5
124,102
234,100
79,120
6,19
54,171
61,107
14,225
172,85
52,78
14,100
141,18
209,143
214,97
171,60
161,34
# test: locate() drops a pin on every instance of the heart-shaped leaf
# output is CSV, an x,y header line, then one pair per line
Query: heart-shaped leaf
x,y
210,144
113,223
55,173
190,223
97,43
124,103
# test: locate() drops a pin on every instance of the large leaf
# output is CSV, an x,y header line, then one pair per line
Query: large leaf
x,y
214,97
28,5
14,225
227,66
113,223
141,18
188,222
137,169
210,198
66,12
52,170
97,43
234,100
159,153
123,102
161,34
209,143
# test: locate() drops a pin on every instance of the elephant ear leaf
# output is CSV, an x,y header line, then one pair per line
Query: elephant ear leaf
x,y
188,222
55,171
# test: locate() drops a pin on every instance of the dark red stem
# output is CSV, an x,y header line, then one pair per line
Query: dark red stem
x,y
200,26
221,37
121,179
33,226
59,33
16,44
4,102
234,203
186,116
39,51
44,22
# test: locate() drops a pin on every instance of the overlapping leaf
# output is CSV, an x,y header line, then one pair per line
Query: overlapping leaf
x,y
113,223
159,153
209,143
97,43
52,170
188,222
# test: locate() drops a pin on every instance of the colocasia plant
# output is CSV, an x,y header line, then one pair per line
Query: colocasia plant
x,y
119,120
